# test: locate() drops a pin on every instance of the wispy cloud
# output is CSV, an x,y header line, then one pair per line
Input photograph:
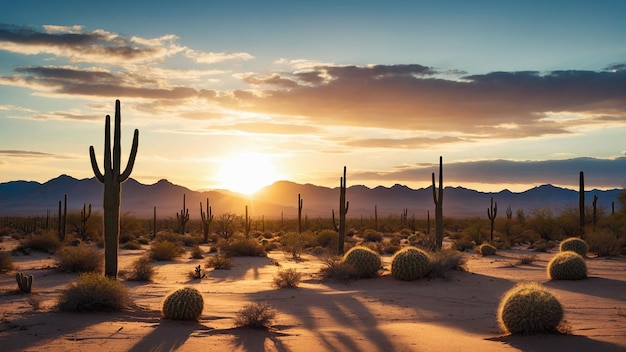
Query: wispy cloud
x,y
25,154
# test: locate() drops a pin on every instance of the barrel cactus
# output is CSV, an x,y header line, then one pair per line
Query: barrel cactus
x,y
567,265
574,244
410,263
529,308
366,261
486,249
183,304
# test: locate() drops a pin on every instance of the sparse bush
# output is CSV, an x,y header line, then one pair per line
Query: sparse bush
x,y
80,259
441,262
371,235
567,265
47,242
165,250
410,263
463,244
604,243
390,247
219,262
183,304
94,292
6,262
486,249
527,259
574,244
327,239
197,253
338,270
542,246
190,240
132,245
293,243
256,316
141,270
529,308
243,247
288,278
366,261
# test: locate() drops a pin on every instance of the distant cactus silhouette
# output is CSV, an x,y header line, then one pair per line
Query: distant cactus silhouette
x,y
112,178
62,224
581,201
300,202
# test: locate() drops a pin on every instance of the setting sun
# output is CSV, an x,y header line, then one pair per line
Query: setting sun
x,y
247,173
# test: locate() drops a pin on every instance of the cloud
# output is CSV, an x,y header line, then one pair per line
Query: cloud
x,y
409,97
79,45
599,173
269,128
24,154
403,143
212,58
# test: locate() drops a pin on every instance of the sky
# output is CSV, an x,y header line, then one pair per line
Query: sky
x,y
239,94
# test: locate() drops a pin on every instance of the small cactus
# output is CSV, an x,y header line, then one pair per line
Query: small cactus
x,y
528,308
574,244
183,304
567,265
24,282
365,261
410,263
486,249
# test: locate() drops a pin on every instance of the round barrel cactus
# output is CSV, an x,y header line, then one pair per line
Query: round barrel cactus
x,y
529,308
574,244
567,265
366,261
410,263
486,249
183,304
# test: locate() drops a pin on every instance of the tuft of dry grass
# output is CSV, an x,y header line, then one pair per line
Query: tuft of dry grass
x,y
47,242
441,262
6,262
527,259
336,269
256,316
197,252
165,250
288,278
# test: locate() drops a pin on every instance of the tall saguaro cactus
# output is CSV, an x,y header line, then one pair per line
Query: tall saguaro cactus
x,y
62,224
84,217
491,214
183,217
581,202
300,201
112,178
206,220
343,210
438,199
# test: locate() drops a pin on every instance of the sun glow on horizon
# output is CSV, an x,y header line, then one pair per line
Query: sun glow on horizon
x,y
247,173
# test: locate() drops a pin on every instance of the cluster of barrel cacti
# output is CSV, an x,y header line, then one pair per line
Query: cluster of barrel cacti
x,y
365,261
24,282
574,244
410,263
529,308
567,265
183,304
486,249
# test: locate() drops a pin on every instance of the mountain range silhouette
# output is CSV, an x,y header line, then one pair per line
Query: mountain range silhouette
x,y
29,198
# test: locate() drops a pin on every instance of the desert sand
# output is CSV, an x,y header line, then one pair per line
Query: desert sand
x,y
380,314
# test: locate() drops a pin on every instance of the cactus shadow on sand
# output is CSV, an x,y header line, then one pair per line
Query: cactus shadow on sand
x,y
556,342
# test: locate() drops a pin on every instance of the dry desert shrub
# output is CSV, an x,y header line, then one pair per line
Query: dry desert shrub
x,y
197,252
288,278
604,243
165,250
243,247
337,269
256,316
141,270
47,242
527,259
80,259
371,235
442,262
219,262
6,262
132,245
94,292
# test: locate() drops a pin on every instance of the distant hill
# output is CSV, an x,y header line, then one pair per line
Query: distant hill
x,y
27,198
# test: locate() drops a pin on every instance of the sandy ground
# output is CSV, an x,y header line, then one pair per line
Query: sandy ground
x,y
381,314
